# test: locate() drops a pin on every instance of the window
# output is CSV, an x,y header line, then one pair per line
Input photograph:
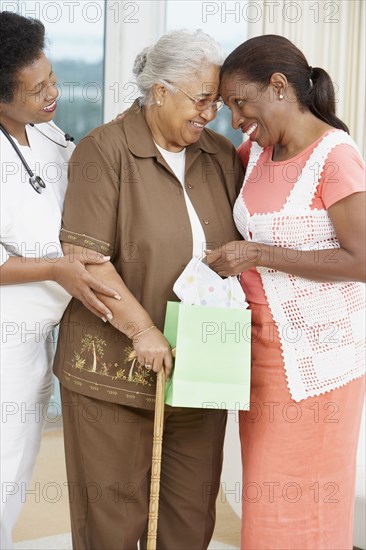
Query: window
x,y
75,46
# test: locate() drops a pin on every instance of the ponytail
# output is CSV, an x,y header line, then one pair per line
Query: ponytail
x,y
321,98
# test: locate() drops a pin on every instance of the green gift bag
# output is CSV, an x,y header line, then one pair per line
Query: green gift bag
x,y
212,363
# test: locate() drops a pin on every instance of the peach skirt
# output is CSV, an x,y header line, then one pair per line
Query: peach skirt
x,y
299,459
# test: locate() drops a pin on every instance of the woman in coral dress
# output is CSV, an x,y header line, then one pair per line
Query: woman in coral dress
x,y
301,212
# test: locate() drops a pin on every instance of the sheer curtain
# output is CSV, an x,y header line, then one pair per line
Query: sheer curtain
x,y
332,36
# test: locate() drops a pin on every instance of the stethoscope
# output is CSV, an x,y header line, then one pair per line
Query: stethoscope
x,y
36,181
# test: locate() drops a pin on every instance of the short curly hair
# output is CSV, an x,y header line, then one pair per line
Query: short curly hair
x,y
22,42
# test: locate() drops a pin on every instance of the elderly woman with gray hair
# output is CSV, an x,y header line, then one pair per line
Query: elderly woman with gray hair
x,y
150,191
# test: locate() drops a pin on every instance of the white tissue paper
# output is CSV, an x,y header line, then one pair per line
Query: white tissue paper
x,y
200,285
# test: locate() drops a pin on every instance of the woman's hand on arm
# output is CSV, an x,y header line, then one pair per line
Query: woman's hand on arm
x,y
346,263
132,319
68,271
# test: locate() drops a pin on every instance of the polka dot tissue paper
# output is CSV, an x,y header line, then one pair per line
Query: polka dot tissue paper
x,y
198,284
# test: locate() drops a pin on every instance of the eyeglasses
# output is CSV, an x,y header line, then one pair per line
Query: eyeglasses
x,y
203,103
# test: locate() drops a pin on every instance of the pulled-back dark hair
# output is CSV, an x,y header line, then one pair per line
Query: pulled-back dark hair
x,y
258,58
22,42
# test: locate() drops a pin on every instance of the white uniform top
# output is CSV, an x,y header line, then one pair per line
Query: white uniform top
x,y
30,225
177,162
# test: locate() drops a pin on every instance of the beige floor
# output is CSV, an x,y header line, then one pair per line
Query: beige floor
x,y
46,510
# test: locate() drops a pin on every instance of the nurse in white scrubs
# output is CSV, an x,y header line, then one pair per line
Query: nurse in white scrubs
x,y
36,281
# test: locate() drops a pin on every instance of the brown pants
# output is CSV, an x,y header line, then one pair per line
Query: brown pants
x,y
108,459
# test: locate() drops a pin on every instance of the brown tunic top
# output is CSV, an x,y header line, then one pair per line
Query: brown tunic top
x,y
123,200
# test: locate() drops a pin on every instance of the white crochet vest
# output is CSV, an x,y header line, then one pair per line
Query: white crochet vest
x,y
321,325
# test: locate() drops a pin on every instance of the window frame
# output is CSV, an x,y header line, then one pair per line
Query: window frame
x,y
129,27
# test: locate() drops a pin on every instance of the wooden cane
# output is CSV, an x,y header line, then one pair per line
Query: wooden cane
x,y
156,455
156,461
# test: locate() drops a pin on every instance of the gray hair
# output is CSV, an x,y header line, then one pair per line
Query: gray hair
x,y
176,57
